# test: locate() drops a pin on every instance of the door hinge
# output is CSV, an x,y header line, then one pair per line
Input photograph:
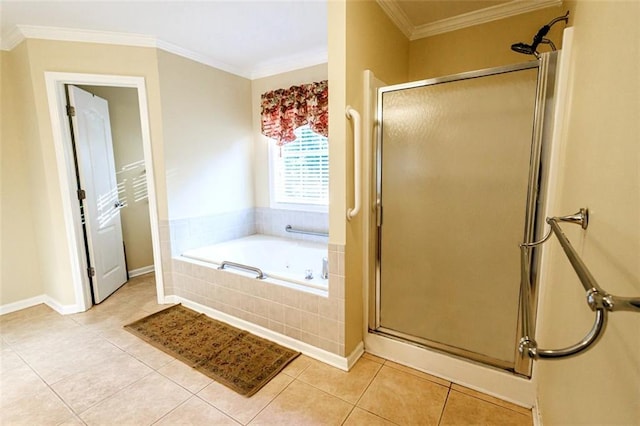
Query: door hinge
x,y
91,271
378,213
81,194
71,111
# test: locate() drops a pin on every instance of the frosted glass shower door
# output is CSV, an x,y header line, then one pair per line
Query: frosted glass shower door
x,y
454,171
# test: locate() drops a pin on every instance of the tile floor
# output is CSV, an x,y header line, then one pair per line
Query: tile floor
x,y
85,369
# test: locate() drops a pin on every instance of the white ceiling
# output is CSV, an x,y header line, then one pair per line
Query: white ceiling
x,y
249,38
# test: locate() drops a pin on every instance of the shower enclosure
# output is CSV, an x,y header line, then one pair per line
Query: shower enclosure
x,y
459,170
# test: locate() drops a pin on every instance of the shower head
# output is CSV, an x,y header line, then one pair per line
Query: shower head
x,y
539,38
526,49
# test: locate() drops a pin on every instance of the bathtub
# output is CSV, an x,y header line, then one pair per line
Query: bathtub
x,y
283,260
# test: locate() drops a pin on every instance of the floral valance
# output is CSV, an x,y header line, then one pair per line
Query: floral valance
x,y
284,110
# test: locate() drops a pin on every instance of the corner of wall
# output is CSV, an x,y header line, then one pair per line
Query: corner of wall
x,y
337,66
21,273
371,42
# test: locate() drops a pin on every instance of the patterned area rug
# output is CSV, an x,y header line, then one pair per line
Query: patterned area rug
x,y
236,358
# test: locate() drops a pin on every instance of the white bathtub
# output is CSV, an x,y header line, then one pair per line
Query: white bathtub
x,y
280,259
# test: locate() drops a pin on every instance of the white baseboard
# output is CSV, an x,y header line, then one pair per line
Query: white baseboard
x,y
537,415
21,304
343,363
355,355
141,271
170,299
37,300
59,308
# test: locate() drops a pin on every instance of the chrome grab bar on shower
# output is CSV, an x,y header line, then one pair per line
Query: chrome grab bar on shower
x,y
261,275
292,230
357,160
599,300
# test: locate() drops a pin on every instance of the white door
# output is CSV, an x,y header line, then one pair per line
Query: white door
x,y
101,207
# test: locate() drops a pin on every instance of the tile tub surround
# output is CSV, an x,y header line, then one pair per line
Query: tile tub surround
x,y
274,221
194,232
313,317
308,316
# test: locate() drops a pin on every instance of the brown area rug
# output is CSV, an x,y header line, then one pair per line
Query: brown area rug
x,y
236,358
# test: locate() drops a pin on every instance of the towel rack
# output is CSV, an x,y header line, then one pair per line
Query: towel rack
x,y
357,148
600,301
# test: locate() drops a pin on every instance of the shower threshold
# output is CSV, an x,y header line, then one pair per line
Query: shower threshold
x,y
448,350
453,366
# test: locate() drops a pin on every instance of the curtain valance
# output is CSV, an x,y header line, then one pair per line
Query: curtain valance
x,y
284,110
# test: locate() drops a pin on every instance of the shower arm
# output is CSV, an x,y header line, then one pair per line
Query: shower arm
x,y
564,18
539,38
598,299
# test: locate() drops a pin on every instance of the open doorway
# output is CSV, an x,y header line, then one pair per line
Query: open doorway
x,y
136,166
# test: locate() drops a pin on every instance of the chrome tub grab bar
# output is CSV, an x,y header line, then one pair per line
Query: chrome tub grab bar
x,y
598,299
261,275
292,230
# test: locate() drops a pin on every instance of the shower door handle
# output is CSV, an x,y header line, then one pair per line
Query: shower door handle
x,y
378,213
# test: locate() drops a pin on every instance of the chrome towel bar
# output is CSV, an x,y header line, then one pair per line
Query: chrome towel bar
x,y
292,230
598,299
261,275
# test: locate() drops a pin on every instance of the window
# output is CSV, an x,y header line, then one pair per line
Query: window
x,y
300,172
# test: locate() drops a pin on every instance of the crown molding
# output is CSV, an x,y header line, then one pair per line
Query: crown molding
x,y
481,16
290,63
477,17
12,40
86,36
397,16
201,58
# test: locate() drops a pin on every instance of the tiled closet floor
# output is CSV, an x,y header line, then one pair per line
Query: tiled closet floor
x,y
85,369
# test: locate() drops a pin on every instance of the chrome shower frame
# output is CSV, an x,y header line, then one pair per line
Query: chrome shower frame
x,y
534,209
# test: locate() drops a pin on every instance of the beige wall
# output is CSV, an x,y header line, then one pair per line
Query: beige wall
x,y
261,143
601,171
47,223
3,66
126,132
20,275
207,131
372,42
206,115
337,47
481,46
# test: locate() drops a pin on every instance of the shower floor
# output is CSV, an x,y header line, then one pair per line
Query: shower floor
x,y
85,369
